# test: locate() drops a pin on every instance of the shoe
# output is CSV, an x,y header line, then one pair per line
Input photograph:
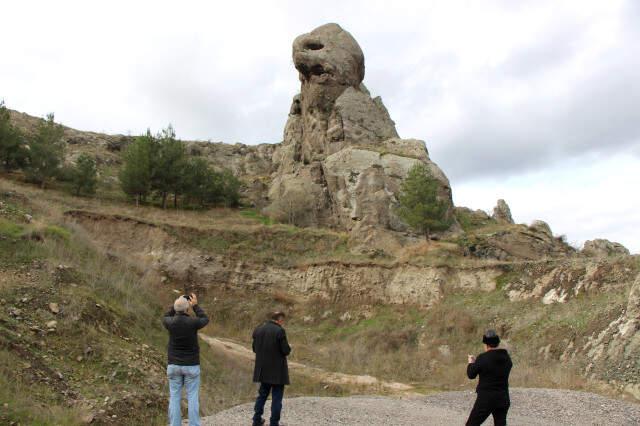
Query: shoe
x,y
261,423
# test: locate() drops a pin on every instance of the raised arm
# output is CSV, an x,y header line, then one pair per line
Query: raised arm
x,y
201,317
473,369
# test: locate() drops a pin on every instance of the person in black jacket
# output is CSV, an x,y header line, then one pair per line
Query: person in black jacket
x,y
271,370
493,366
183,369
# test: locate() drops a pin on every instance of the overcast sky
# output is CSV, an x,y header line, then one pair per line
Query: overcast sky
x,y
537,102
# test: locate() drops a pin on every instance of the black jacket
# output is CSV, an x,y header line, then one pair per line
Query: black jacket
x,y
183,329
493,367
271,348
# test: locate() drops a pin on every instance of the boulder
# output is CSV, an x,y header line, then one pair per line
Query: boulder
x,y
541,227
502,212
603,248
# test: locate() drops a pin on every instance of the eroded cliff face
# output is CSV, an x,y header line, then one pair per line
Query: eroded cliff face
x,y
340,145
181,253
246,260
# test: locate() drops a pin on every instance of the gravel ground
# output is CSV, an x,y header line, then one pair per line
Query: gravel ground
x,y
529,407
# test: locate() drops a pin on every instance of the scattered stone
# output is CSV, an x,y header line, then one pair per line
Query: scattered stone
x,y
345,317
603,248
88,418
54,308
326,314
444,350
51,325
28,218
79,358
502,212
307,319
15,312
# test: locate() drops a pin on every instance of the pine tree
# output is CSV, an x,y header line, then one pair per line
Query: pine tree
x,y
137,171
196,177
13,151
46,152
85,175
420,206
169,166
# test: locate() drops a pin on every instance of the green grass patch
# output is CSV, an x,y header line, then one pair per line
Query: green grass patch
x,y
10,229
57,232
254,214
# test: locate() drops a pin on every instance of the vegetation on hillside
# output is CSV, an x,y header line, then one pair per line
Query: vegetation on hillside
x,y
158,166
155,167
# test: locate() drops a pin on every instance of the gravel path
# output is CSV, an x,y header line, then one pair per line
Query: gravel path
x,y
529,407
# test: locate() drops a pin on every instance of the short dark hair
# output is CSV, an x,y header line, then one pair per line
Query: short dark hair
x,y
491,339
277,315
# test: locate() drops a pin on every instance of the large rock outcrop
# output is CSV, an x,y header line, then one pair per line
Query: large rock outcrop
x,y
603,248
341,156
502,213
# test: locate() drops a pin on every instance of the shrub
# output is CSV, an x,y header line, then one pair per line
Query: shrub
x,y
84,175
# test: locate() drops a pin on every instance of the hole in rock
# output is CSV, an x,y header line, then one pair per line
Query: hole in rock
x,y
313,45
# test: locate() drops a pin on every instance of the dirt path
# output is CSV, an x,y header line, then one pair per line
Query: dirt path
x,y
235,350
529,407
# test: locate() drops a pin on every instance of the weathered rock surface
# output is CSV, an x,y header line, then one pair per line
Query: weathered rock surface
x,y
502,212
340,145
619,345
603,248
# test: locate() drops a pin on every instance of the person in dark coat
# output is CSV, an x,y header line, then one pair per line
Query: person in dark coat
x,y
183,369
271,370
493,366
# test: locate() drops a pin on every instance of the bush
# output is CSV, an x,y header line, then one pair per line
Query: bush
x,y
294,207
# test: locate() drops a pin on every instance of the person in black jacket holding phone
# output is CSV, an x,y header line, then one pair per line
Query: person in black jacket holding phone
x,y
493,366
183,369
271,369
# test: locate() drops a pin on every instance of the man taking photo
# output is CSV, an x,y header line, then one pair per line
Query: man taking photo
x,y
183,369
271,370
493,366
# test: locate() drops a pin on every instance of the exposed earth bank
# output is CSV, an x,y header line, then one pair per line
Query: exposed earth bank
x,y
528,407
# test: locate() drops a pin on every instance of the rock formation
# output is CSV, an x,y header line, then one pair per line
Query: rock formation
x,y
603,248
341,156
502,212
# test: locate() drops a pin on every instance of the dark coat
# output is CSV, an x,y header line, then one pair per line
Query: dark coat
x,y
183,329
271,348
493,367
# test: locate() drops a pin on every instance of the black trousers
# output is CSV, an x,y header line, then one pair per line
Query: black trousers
x,y
490,403
277,392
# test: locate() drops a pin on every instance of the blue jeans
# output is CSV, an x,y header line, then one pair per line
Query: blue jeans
x,y
187,376
277,392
